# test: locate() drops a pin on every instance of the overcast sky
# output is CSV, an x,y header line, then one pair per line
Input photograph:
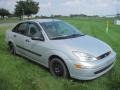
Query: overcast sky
x,y
66,7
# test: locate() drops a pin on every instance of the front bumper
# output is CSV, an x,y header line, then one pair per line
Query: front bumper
x,y
92,70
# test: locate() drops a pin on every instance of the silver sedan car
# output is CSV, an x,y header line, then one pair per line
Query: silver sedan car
x,y
62,48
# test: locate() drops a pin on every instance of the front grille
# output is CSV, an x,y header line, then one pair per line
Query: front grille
x,y
104,55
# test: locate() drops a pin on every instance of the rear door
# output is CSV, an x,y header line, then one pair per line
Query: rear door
x,y
20,32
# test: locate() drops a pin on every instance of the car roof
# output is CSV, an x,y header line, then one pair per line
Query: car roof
x,y
41,20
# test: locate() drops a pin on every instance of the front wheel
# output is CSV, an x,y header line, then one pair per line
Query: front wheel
x,y
58,69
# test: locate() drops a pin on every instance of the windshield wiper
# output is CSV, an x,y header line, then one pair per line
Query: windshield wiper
x,y
75,35
70,36
62,37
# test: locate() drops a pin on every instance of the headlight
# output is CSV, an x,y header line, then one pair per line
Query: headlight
x,y
84,56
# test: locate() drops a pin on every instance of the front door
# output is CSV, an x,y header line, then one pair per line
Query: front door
x,y
34,48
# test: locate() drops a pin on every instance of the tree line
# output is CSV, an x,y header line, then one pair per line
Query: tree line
x,y
4,12
28,8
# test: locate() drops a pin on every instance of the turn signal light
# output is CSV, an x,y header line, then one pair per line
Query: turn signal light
x,y
77,66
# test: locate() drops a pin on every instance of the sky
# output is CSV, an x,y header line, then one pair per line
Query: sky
x,y
67,7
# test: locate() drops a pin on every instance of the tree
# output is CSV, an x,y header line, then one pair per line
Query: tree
x,y
27,8
4,12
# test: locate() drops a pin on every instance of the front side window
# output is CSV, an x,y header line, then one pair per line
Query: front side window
x,y
60,30
33,30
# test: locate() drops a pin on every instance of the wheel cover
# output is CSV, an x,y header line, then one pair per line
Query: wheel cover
x,y
58,69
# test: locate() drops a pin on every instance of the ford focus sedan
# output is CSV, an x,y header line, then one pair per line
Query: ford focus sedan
x,y
62,48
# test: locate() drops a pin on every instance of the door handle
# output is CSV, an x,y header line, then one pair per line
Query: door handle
x,y
27,40
14,35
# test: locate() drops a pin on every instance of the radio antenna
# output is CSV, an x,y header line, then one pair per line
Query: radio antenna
x,y
117,9
49,13
52,16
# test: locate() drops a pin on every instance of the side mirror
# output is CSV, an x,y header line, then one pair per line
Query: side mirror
x,y
40,37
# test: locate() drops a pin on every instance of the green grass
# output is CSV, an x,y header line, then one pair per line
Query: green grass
x,y
17,73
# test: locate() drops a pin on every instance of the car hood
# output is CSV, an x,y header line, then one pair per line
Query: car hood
x,y
85,44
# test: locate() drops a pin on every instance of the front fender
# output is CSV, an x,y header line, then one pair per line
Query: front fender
x,y
58,53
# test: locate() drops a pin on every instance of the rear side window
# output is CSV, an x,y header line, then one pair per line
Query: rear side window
x,y
21,29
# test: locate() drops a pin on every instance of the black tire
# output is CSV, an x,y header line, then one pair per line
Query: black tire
x,y
58,69
11,48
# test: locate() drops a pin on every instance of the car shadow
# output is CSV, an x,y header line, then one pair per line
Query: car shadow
x,y
33,62
81,81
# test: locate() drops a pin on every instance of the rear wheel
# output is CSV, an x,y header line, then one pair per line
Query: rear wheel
x,y
11,48
58,69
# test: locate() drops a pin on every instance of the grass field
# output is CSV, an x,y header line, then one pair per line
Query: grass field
x,y
17,73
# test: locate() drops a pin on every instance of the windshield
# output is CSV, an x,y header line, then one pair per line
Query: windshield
x,y
60,30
